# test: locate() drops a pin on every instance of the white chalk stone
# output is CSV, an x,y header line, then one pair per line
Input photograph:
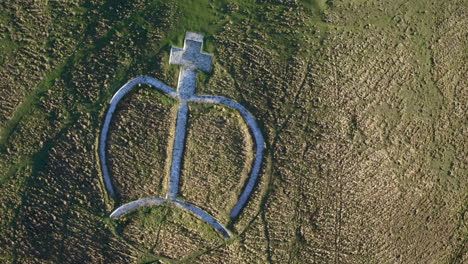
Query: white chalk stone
x,y
191,59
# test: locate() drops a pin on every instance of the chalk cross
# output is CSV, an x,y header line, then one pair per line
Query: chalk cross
x,y
191,59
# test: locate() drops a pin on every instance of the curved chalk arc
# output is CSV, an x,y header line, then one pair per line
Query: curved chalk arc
x,y
112,106
157,201
204,216
259,142
182,115
134,205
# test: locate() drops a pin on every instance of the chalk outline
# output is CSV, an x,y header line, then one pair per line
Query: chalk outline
x,y
186,88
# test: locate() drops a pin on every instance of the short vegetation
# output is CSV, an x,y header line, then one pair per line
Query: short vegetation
x,y
362,104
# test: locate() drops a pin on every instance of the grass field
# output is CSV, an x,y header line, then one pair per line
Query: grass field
x,y
362,105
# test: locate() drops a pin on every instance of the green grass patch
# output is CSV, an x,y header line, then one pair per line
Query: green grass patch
x,y
201,16
7,48
29,103
316,6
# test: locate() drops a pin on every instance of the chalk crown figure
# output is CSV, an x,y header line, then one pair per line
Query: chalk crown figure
x,y
191,59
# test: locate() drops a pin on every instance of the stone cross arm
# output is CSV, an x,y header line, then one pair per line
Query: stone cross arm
x,y
191,56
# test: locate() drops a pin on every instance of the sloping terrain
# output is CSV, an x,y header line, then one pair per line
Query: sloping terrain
x,y
362,105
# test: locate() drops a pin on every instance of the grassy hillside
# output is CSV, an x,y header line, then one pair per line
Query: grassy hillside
x,y
362,104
